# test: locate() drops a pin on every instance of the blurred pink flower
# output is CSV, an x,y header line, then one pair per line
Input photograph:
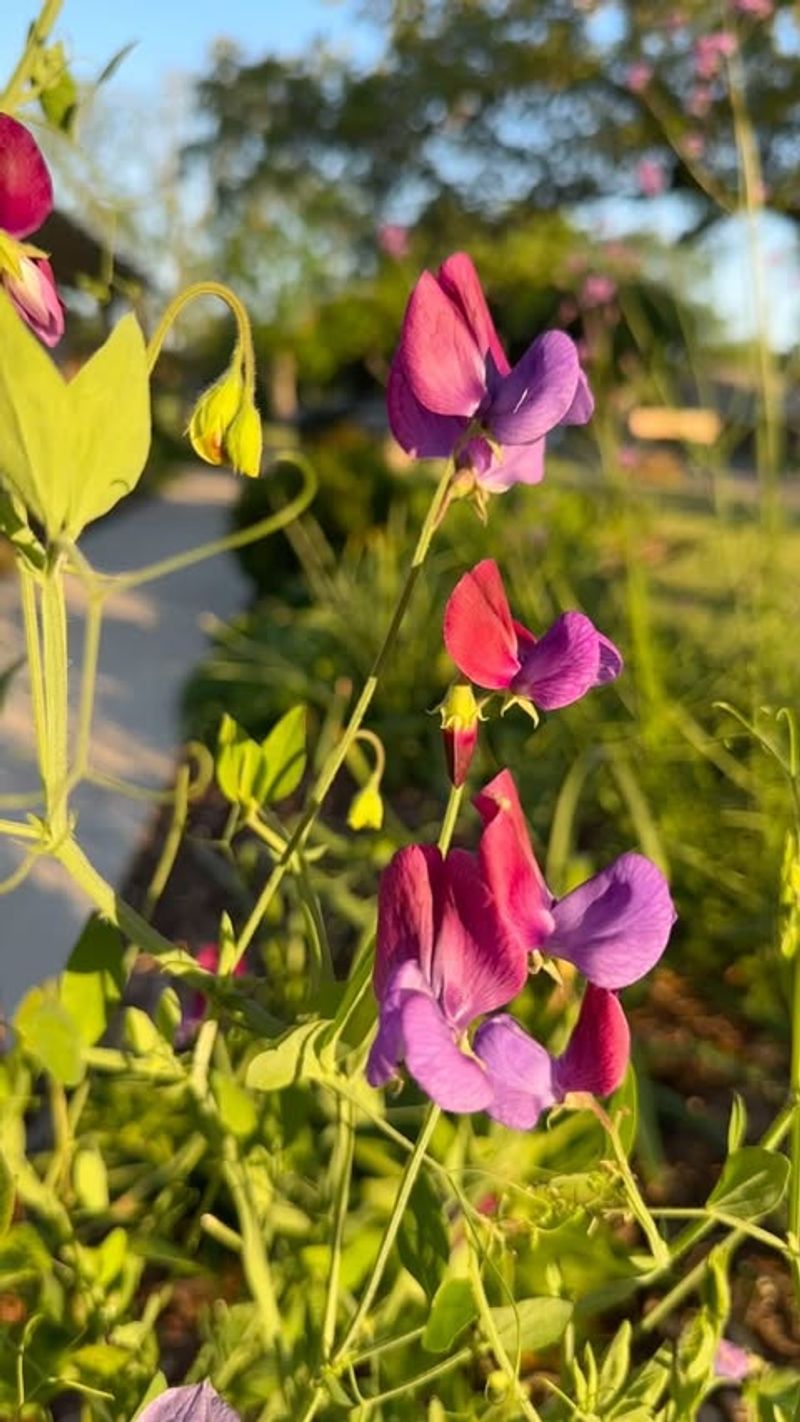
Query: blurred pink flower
x,y
700,101
638,76
710,50
694,145
650,177
756,9
393,240
731,1362
207,957
598,290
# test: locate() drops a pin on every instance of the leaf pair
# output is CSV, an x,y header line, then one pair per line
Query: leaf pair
x,y
70,450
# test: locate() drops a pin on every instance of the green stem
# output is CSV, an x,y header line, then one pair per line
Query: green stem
x,y
489,1326
30,615
14,93
235,306
408,1180
254,1258
450,817
341,1170
340,751
454,1361
794,1146
54,656
658,1246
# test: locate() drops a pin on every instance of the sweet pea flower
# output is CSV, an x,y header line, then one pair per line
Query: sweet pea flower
x,y
756,9
497,653
451,389
650,177
207,957
393,239
454,939
638,76
442,959
26,199
710,50
732,1362
526,1080
197,1402
613,928
597,290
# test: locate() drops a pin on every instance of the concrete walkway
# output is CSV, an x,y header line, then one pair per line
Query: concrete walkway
x,y
152,638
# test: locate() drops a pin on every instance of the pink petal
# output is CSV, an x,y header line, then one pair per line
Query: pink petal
x,y
36,299
520,1072
453,1080
461,283
389,1047
478,630
477,965
566,662
441,361
521,897
597,1056
409,885
418,431
26,192
617,925
539,392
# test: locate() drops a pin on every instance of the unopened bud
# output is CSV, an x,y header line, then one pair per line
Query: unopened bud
x,y
460,716
497,1386
366,811
244,441
215,413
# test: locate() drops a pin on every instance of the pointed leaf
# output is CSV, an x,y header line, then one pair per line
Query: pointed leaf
x,y
284,752
92,983
753,1182
34,420
452,1309
280,1065
51,1035
531,1325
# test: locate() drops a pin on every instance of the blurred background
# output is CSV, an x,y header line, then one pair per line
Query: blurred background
x,y
625,171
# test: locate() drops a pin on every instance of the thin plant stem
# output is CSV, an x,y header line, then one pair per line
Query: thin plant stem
x,y
254,1259
91,651
454,1361
172,841
408,1180
236,307
489,1326
450,817
659,1248
794,1146
341,1171
54,659
30,616
14,93
340,751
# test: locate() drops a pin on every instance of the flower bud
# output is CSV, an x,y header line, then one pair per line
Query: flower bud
x,y
366,811
214,414
244,440
460,716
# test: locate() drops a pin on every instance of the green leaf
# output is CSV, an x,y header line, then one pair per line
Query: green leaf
x,y
422,1240
238,762
157,1386
236,1108
284,752
282,1064
625,1104
737,1125
34,417
110,409
50,1033
532,1325
7,1195
90,1179
616,1364
92,983
70,451
453,1308
753,1182
59,95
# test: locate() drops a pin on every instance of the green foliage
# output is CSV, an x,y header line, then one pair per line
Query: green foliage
x,y
753,1182
453,1308
251,774
423,1242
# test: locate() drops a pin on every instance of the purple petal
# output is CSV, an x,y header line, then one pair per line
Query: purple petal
x,y
453,1080
582,407
514,879
478,629
196,1403
497,470
565,663
26,192
389,1049
478,966
460,281
539,392
597,1056
615,926
409,886
418,431
441,360
520,1072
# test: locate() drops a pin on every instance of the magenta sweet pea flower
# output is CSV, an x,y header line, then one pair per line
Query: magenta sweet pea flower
x,y
526,1080
198,1402
442,960
731,1362
613,928
26,199
650,177
496,652
450,379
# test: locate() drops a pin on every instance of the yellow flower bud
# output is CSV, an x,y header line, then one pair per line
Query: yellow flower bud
x,y
214,414
366,811
460,716
244,440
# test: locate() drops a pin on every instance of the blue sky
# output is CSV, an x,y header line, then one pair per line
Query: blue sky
x,y
177,34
